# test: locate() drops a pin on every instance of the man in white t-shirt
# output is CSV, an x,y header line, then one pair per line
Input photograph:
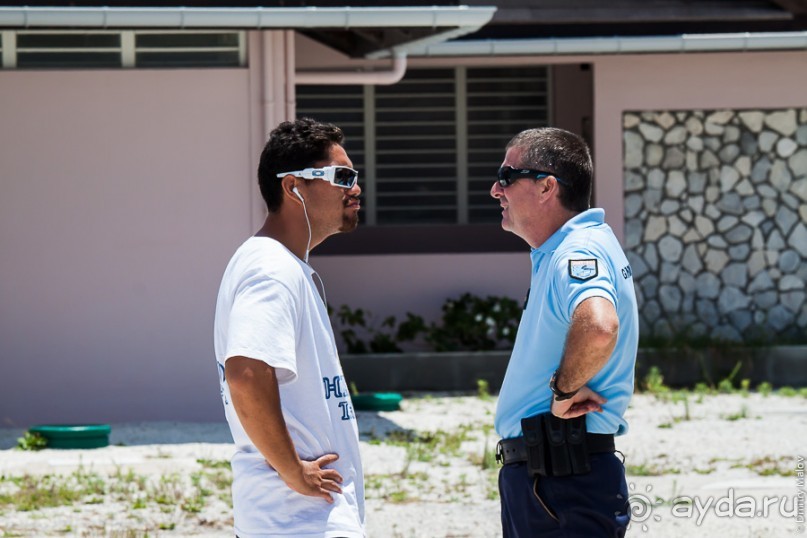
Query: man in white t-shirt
x,y
297,470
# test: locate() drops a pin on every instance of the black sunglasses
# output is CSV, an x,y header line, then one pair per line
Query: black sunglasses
x,y
507,175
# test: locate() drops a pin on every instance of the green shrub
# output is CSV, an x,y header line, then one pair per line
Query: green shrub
x,y
474,323
468,323
31,441
361,334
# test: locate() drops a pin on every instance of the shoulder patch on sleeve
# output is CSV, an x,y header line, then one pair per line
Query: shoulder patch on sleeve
x,y
583,269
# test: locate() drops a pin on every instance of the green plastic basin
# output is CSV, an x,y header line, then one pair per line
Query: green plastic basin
x,y
377,401
74,435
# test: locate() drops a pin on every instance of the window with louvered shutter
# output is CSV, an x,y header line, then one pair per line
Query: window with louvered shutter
x,y
501,103
429,146
343,106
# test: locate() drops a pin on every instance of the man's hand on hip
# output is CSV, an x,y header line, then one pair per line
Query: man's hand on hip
x,y
314,480
585,401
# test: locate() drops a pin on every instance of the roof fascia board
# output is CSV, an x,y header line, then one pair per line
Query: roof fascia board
x,y
246,18
616,45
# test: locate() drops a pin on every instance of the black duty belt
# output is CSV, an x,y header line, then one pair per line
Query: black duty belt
x,y
514,450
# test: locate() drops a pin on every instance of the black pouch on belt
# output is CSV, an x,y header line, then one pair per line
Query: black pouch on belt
x,y
555,446
533,429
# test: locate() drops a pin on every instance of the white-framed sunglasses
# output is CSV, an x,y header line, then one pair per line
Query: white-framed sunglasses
x,y
339,176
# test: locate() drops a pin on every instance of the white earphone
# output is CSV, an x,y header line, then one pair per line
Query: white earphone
x,y
297,193
308,247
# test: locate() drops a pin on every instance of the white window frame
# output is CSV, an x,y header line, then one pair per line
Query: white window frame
x,y
127,49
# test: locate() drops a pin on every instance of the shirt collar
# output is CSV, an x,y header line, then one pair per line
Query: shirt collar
x,y
586,219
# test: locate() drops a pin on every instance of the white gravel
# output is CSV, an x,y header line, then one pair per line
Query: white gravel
x,y
728,450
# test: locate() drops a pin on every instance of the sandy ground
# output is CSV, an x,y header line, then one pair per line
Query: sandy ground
x,y
428,472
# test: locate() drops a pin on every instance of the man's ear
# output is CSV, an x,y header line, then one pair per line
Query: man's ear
x,y
288,184
544,186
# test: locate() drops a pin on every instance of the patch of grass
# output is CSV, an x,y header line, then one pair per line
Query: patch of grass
x,y
398,496
213,464
427,446
741,414
644,469
221,479
82,487
707,470
770,466
29,493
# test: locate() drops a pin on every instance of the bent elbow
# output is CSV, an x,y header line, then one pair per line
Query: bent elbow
x,y
603,332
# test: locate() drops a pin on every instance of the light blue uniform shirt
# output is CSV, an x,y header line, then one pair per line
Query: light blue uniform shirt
x,y
582,259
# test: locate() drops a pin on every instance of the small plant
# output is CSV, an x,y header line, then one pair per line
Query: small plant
x,y
489,458
765,388
726,386
483,389
743,413
654,383
702,389
745,386
31,441
787,392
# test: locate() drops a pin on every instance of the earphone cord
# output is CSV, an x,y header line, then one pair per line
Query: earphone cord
x,y
307,248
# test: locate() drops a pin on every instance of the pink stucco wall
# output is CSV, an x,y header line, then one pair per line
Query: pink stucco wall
x,y
396,284
122,196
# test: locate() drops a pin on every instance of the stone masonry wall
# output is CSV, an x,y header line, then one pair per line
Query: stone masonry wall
x,y
715,213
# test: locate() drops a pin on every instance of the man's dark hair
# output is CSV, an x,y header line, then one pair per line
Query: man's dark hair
x,y
293,145
563,154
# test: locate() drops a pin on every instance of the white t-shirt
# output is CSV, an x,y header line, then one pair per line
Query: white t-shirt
x,y
269,309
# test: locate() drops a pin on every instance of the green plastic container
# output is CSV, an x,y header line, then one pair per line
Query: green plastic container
x,y
74,435
377,401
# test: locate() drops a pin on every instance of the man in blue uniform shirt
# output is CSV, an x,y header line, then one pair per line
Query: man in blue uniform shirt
x,y
574,355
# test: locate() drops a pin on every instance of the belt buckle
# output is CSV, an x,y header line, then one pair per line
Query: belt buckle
x,y
499,453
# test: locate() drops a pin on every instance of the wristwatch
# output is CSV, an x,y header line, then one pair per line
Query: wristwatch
x,y
559,394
